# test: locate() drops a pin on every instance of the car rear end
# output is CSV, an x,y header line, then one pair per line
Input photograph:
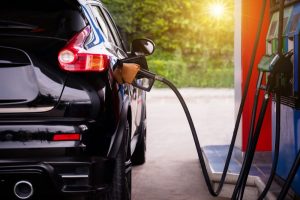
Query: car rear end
x,y
46,115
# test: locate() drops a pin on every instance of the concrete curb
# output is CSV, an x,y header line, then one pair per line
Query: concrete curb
x,y
254,188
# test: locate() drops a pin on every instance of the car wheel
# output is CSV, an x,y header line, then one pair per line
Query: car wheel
x,y
121,183
139,154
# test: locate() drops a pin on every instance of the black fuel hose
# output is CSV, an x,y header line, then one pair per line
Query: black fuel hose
x,y
275,158
246,166
196,140
254,108
276,148
195,136
251,147
252,122
250,153
290,178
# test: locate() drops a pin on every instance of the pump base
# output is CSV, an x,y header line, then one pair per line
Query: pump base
x,y
215,157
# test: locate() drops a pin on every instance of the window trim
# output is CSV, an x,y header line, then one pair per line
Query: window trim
x,y
111,25
109,31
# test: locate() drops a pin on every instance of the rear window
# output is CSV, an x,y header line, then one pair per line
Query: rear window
x,y
55,18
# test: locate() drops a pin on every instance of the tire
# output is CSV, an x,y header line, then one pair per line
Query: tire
x,y
121,183
139,154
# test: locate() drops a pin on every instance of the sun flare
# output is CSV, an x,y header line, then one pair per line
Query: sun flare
x,y
217,10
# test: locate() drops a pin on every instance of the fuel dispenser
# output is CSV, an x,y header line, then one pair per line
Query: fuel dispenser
x,y
272,38
289,98
290,107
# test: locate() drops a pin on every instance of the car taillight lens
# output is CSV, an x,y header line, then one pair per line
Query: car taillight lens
x,y
73,57
66,137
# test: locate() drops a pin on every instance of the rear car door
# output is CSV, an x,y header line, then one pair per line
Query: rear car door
x,y
136,95
110,30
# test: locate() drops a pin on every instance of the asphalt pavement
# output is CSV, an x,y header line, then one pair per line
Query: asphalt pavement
x,y
172,170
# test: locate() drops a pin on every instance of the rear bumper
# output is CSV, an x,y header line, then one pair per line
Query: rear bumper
x,y
68,179
39,134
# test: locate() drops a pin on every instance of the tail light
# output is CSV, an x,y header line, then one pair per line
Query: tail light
x,y
73,57
66,137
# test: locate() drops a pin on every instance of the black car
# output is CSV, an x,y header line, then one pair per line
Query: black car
x,y
68,130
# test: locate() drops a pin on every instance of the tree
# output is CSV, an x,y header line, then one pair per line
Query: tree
x,y
181,27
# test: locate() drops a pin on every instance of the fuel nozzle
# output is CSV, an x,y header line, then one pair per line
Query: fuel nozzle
x,y
134,71
126,72
281,63
281,71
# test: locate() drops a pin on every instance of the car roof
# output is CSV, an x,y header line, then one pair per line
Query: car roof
x,y
37,4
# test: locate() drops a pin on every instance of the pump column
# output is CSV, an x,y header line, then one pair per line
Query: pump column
x,y
247,16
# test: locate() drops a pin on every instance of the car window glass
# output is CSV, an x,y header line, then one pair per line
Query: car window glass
x,y
103,25
113,28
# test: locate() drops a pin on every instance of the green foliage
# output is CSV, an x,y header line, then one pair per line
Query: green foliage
x,y
207,72
193,48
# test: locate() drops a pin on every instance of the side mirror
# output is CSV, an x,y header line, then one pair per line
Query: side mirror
x,y
143,47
